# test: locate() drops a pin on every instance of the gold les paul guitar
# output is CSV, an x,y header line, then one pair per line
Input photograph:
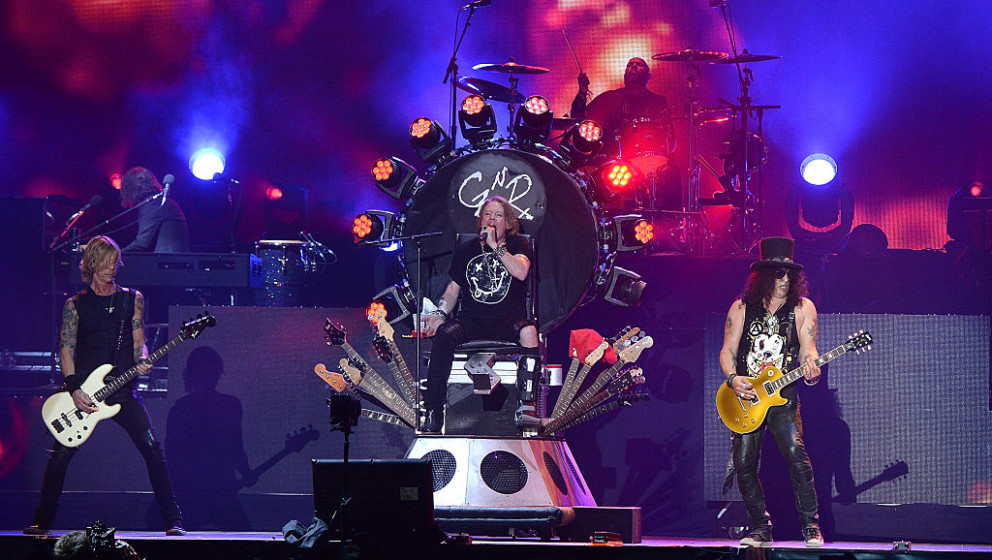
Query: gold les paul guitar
x,y
747,415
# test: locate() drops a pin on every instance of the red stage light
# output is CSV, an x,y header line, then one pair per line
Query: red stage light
x,y
644,232
619,175
976,189
382,170
536,105
473,104
273,193
361,226
590,131
420,127
370,312
115,180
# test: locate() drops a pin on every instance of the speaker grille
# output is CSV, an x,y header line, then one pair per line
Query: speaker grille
x,y
555,473
576,477
503,472
443,465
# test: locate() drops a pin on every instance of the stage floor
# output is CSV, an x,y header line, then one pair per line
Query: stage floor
x,y
154,545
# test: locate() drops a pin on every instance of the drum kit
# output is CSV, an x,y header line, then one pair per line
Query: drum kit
x,y
648,144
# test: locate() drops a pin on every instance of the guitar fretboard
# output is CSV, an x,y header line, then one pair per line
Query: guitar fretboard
x,y
376,386
795,374
104,392
599,411
383,417
601,381
568,389
623,383
401,371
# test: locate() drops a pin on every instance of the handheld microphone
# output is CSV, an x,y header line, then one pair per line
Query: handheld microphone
x,y
477,4
166,185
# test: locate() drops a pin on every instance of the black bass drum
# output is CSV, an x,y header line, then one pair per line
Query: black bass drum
x,y
553,209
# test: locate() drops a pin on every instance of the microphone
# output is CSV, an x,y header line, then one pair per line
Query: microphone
x,y
97,199
166,185
477,4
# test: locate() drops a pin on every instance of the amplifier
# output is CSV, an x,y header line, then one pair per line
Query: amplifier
x,y
186,270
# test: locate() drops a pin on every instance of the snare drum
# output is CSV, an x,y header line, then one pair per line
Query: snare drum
x,y
286,266
646,144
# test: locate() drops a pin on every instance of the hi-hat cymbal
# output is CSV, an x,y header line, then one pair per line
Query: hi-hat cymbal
x,y
745,58
511,68
489,90
688,55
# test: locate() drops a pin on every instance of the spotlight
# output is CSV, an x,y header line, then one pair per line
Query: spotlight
x,y
626,233
621,287
285,212
205,163
398,301
273,193
533,122
373,226
969,215
477,120
617,176
429,140
582,142
395,177
818,169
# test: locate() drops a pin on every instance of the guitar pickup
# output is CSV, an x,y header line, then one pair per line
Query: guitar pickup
x,y
58,426
480,370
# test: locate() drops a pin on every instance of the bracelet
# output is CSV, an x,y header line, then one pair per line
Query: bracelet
x,y
499,251
73,382
441,313
730,380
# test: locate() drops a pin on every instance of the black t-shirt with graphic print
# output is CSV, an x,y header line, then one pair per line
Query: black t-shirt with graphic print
x,y
488,289
765,341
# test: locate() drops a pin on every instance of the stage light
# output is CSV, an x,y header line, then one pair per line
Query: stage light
x,y
617,176
477,120
629,232
273,193
818,169
373,227
620,286
398,301
969,215
429,140
976,189
582,142
115,180
819,216
533,121
395,177
206,163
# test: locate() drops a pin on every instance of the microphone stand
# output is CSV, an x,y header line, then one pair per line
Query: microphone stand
x,y
55,247
452,70
417,238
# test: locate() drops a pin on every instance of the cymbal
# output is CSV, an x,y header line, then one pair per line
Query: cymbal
x,y
489,90
745,58
689,55
511,68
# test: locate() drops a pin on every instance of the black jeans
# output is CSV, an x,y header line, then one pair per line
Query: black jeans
x,y
451,334
786,427
134,419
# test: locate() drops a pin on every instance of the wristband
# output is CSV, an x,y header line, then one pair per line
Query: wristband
x,y
73,382
499,251
441,313
730,380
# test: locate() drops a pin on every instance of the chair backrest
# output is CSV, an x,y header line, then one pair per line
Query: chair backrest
x,y
532,278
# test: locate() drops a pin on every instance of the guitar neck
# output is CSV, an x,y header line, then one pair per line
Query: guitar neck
x,y
378,388
798,372
601,381
400,369
568,390
110,388
590,414
619,385
383,417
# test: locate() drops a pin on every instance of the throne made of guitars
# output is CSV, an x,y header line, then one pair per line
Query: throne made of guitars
x,y
496,387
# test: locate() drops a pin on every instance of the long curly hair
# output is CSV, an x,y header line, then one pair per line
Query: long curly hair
x,y
512,222
761,285
138,184
100,251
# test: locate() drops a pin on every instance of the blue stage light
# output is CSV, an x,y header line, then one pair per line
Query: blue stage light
x,y
818,169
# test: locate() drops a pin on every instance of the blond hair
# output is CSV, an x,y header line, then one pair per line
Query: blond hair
x,y
99,251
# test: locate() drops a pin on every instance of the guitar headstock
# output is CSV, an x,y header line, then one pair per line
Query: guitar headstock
x,y
296,441
597,353
335,333
351,373
895,471
859,341
632,376
625,338
377,316
332,378
633,352
193,327
631,397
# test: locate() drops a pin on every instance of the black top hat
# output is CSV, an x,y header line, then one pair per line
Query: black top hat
x,y
776,252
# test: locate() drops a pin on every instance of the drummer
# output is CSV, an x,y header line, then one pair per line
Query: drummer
x,y
612,108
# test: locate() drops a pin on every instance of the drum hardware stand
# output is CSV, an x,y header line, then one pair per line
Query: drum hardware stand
x,y
694,222
451,73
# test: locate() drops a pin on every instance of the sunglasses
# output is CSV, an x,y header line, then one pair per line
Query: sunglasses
x,y
781,273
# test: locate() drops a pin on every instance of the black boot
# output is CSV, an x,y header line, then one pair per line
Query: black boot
x,y
433,421
760,536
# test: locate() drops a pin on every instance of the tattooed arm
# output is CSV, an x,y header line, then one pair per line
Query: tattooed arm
x,y
138,334
806,329
733,330
70,330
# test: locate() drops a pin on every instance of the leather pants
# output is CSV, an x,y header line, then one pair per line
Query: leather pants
x,y
786,427
134,419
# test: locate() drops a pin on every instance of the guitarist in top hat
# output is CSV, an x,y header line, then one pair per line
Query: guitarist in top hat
x,y
104,324
773,323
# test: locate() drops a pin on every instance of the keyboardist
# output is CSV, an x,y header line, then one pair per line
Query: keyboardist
x,y
161,223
